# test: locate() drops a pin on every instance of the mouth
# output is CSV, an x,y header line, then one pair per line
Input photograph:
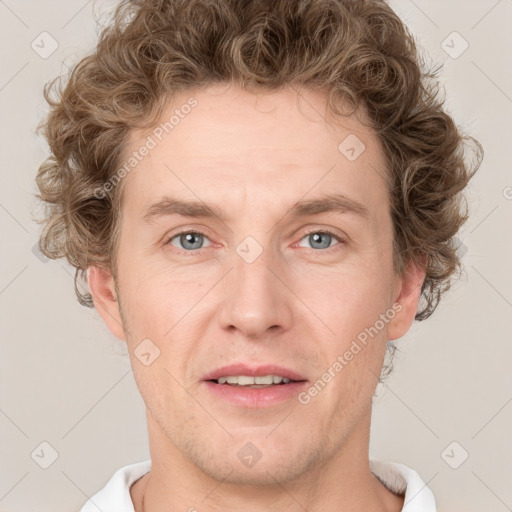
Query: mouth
x,y
260,381
254,387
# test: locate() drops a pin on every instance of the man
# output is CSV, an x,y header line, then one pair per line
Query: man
x,y
259,194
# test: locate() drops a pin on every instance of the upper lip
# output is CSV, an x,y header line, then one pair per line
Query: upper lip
x,y
253,371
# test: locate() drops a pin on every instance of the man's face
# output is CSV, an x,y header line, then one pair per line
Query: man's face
x,y
259,285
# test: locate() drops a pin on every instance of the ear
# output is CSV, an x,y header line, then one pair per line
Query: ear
x,y
407,294
102,286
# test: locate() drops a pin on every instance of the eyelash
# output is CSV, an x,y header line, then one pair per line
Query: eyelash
x,y
195,232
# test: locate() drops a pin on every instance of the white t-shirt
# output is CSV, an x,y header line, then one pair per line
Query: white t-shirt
x,y
115,496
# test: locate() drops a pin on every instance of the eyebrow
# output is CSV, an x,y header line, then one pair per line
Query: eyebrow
x,y
330,203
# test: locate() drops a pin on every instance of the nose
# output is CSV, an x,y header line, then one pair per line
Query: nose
x,y
257,302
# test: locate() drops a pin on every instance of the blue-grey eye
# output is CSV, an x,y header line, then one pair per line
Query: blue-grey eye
x,y
320,240
189,241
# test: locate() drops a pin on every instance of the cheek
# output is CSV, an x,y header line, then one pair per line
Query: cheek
x,y
352,305
156,297
163,312
351,299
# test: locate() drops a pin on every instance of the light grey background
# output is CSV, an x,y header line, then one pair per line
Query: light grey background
x,y
67,381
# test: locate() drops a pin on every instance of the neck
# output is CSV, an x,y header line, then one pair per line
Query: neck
x,y
342,482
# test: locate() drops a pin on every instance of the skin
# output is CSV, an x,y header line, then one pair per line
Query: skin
x,y
298,304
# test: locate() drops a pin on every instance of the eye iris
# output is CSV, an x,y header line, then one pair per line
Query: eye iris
x,y
316,237
189,237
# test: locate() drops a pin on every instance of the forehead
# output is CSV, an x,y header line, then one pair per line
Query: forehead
x,y
222,143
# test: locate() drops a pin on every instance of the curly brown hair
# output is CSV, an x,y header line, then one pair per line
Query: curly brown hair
x,y
356,51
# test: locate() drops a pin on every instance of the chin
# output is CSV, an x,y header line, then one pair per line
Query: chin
x,y
252,467
261,475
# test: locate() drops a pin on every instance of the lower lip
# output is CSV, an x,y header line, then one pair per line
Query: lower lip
x,y
256,397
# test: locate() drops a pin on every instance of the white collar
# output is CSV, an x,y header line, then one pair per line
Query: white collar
x,y
115,496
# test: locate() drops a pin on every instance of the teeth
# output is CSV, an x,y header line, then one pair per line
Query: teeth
x,y
267,379
245,380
